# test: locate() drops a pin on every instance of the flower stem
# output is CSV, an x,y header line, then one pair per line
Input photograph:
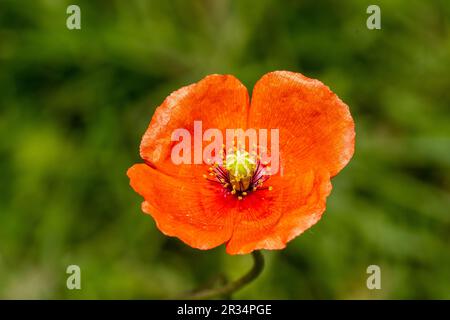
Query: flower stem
x,y
231,287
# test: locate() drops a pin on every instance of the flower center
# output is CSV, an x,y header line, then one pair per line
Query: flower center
x,y
239,172
241,167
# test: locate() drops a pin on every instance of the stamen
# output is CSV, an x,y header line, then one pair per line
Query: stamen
x,y
240,172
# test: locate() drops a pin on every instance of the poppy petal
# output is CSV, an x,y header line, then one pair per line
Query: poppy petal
x,y
294,205
219,101
316,130
189,209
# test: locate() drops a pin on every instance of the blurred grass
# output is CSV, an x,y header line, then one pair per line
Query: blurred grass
x,y
74,104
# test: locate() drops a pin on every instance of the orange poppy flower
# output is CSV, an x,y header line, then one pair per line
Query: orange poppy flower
x,y
316,140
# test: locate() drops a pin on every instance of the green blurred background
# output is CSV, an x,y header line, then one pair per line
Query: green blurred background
x,y
74,105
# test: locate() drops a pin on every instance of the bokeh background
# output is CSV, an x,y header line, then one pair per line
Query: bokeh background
x,y
74,105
